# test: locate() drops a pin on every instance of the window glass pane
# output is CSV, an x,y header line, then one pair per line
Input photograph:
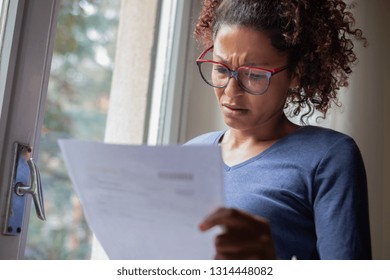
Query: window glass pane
x,y
76,107
3,17
3,67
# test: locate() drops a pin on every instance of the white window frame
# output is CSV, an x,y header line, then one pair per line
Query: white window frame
x,y
25,68
167,108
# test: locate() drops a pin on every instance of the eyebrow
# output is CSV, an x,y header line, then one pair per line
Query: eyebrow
x,y
222,60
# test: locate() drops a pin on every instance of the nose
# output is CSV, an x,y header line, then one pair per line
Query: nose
x,y
233,88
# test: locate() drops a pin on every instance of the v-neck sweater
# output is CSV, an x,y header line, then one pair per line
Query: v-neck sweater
x,y
311,186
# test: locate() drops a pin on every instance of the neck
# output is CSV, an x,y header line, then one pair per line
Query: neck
x,y
269,132
240,145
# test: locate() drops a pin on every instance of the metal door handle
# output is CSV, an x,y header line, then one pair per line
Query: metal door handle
x,y
35,189
25,180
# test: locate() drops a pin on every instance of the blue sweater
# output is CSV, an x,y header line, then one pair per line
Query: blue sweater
x,y
311,186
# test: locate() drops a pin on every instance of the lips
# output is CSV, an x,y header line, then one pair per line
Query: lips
x,y
232,110
233,107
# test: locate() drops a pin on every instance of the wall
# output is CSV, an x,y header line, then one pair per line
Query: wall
x,y
384,7
202,112
130,83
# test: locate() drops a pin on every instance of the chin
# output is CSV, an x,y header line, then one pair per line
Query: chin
x,y
235,124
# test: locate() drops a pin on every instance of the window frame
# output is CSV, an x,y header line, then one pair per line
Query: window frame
x,y
25,68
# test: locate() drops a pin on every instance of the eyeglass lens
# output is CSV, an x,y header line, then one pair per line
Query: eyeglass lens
x,y
252,80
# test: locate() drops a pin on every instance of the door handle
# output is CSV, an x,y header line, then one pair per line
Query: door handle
x,y
26,180
35,189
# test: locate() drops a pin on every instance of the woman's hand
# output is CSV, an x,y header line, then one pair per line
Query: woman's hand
x,y
245,236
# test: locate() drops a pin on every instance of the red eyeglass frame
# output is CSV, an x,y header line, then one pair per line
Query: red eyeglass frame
x,y
272,72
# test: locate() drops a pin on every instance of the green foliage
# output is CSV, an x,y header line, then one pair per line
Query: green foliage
x,y
76,107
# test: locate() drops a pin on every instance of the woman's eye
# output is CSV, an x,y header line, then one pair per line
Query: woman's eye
x,y
220,69
254,76
250,75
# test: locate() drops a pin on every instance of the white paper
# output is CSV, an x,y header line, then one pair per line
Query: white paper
x,y
146,202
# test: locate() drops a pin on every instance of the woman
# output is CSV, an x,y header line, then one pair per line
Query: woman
x,y
291,191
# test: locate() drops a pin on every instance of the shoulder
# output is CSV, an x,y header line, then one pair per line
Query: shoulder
x,y
322,134
209,138
323,140
313,147
338,164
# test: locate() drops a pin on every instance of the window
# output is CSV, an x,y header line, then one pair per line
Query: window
x,y
76,107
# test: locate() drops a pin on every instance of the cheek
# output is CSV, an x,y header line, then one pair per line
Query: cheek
x,y
278,91
218,92
267,103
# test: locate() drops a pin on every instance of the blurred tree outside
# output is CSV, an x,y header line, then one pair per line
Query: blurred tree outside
x,y
76,107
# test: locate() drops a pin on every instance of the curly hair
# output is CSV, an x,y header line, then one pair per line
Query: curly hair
x,y
317,35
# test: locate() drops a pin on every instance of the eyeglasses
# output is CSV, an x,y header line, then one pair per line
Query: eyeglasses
x,y
253,80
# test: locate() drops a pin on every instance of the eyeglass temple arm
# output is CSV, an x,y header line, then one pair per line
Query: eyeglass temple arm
x,y
204,52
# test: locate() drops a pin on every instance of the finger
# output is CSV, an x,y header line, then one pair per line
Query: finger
x,y
237,244
228,243
255,250
220,256
233,219
234,252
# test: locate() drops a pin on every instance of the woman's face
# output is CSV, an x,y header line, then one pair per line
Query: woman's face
x,y
238,46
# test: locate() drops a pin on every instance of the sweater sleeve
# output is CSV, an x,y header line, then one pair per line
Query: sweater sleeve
x,y
340,203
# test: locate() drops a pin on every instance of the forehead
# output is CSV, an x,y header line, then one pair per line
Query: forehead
x,y
247,44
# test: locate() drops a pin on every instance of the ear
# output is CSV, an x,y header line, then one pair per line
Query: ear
x,y
295,80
